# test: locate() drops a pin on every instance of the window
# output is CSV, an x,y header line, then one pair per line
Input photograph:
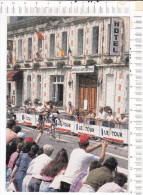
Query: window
x,y
64,42
29,48
52,45
95,38
39,87
39,45
108,40
80,42
58,89
28,86
20,49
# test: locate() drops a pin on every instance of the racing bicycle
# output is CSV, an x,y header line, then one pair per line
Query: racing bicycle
x,y
54,132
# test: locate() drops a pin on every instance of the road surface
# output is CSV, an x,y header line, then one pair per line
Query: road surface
x,y
69,142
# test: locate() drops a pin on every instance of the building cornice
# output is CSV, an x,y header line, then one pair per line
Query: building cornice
x,y
46,23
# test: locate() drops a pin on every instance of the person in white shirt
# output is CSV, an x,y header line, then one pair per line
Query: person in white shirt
x,y
39,164
109,120
39,111
122,120
116,186
102,114
109,116
80,160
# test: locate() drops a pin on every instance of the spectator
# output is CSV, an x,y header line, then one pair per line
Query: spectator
x,y
27,177
109,116
27,108
80,160
20,137
12,160
123,120
30,141
102,114
99,177
71,111
39,164
21,166
10,134
82,176
29,172
91,116
77,115
109,120
54,168
116,186
12,144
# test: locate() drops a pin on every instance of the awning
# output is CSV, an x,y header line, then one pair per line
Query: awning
x,y
14,75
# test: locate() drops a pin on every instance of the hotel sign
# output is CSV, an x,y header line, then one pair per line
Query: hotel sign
x,y
82,69
115,36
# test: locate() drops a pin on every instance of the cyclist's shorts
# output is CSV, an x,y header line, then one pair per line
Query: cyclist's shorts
x,y
40,117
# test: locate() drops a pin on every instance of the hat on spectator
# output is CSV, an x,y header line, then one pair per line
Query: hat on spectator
x,y
29,139
84,139
21,135
110,111
90,110
48,149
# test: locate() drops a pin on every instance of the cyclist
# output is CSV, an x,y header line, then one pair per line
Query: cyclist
x,y
46,110
54,114
40,110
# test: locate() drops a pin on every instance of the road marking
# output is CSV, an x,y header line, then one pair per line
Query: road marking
x,y
95,142
122,170
111,154
69,136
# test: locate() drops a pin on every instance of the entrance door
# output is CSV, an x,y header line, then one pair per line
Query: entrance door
x,y
87,91
60,92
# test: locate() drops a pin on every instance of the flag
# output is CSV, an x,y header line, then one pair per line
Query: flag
x,y
62,52
40,36
69,51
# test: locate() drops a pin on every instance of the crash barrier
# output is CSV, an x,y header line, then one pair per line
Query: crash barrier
x,y
119,135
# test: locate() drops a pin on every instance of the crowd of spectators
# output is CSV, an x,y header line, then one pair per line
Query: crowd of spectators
x,y
32,169
105,117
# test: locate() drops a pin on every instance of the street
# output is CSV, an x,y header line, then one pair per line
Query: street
x,y
69,142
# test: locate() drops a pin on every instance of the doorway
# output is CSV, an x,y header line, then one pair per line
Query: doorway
x,y
87,92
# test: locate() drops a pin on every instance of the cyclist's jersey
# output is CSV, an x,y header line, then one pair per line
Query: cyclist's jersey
x,y
53,115
40,109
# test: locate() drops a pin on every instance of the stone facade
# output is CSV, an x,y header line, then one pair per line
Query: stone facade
x,y
116,71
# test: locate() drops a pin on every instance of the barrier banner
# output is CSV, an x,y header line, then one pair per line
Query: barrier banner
x,y
67,126
30,119
113,134
92,130
19,118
